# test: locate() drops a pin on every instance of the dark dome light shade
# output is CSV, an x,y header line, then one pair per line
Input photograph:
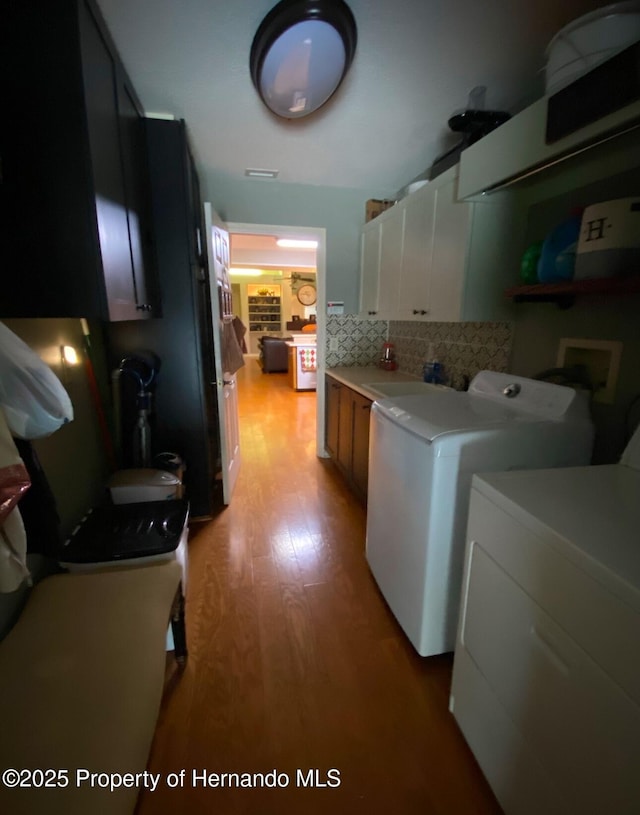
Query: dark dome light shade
x,y
301,53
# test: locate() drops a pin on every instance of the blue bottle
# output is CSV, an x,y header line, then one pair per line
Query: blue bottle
x,y
432,372
558,257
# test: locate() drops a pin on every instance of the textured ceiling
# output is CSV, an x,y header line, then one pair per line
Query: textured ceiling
x,y
415,64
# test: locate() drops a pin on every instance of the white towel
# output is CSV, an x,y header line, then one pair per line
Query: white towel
x,y
14,482
307,359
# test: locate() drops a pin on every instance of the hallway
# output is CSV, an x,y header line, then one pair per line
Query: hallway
x,y
295,661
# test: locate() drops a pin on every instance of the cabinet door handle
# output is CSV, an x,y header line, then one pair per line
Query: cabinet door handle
x,y
420,311
371,313
144,307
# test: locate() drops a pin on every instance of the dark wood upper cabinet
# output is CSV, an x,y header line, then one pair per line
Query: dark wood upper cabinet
x,y
75,225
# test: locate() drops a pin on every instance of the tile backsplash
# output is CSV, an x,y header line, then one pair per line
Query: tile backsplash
x,y
359,342
462,348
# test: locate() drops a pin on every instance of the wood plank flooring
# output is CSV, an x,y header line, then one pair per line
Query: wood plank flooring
x,y
295,662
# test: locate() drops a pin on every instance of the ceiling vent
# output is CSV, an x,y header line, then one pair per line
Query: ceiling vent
x,y
255,172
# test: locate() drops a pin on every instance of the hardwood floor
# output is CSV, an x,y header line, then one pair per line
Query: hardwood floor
x,y
295,662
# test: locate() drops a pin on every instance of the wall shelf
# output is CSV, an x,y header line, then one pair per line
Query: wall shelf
x,y
264,308
565,294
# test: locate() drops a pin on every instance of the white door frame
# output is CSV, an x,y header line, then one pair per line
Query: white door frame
x,y
226,388
319,234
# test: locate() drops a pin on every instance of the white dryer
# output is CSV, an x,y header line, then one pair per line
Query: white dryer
x,y
424,450
546,675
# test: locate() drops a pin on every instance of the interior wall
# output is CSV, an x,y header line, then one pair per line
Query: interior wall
x,y
538,329
74,457
340,211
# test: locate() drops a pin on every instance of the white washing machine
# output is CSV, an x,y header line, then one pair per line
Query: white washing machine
x,y
424,450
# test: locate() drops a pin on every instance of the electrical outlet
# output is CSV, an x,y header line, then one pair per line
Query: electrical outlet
x,y
333,344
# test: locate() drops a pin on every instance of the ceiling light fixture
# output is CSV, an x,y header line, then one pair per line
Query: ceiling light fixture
x,y
301,53
245,272
292,243
248,272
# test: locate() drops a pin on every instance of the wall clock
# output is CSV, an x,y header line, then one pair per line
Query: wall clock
x,y
306,294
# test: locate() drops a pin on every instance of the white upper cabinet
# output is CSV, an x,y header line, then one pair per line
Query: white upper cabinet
x,y
417,262
519,147
414,295
451,232
369,270
380,264
392,232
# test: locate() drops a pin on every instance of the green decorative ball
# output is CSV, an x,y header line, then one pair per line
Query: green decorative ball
x,y
529,264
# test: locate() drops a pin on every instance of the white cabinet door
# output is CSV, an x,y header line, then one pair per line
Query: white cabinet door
x,y
451,229
414,295
391,243
436,236
369,270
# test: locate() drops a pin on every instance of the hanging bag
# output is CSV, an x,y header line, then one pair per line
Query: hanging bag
x,y
35,403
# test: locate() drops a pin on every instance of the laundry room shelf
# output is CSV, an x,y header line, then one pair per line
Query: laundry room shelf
x,y
565,294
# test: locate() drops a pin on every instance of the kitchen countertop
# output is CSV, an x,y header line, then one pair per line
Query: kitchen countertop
x,y
300,341
356,378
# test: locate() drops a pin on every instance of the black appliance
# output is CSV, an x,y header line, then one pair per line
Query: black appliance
x,y
113,532
474,123
608,87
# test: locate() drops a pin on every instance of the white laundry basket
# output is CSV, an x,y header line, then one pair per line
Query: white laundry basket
x,y
590,40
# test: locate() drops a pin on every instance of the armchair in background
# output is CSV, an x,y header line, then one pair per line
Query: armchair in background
x,y
274,354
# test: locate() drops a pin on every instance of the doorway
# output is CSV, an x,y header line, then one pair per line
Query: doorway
x,y
300,233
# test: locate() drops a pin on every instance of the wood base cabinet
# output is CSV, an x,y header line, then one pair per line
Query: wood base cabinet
x,y
347,433
361,407
76,226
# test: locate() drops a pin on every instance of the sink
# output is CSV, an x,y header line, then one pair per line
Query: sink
x,y
402,388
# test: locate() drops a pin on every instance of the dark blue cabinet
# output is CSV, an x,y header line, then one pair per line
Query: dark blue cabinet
x,y
76,235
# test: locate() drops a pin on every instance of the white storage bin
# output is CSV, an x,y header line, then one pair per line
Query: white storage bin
x,y
590,40
143,484
609,242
